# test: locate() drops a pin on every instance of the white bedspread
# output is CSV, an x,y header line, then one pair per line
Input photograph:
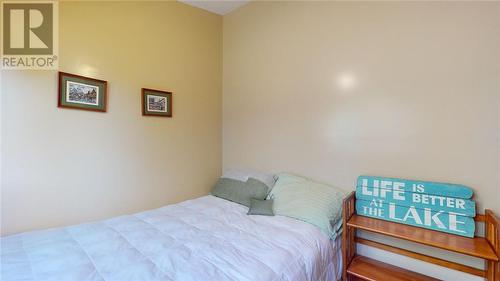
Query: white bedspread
x,y
202,239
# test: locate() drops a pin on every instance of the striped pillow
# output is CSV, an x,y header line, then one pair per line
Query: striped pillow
x,y
303,199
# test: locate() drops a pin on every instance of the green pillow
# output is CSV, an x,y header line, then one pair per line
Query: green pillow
x,y
261,207
239,191
316,203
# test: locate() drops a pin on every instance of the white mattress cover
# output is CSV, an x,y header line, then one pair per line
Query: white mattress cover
x,y
207,238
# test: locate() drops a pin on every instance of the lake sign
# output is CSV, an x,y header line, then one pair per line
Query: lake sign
x,y
438,206
426,218
401,185
464,207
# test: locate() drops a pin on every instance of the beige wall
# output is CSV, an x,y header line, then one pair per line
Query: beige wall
x,y
63,166
327,90
333,90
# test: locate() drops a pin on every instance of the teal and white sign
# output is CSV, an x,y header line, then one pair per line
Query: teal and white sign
x,y
438,206
436,220
464,207
402,185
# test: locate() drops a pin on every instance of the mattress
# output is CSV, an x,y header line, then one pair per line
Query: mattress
x,y
207,238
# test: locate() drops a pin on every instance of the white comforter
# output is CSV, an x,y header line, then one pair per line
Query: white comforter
x,y
202,239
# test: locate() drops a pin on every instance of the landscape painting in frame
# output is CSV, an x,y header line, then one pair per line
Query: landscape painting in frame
x,y
156,103
81,92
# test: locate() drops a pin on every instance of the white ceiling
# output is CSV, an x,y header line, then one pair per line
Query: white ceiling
x,y
220,7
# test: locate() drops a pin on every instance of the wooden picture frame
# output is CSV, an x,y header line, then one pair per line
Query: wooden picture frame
x,y
80,92
156,103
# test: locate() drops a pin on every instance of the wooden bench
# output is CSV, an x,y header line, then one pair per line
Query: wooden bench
x,y
357,267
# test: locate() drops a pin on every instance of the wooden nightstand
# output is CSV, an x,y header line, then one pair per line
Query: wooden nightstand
x,y
358,267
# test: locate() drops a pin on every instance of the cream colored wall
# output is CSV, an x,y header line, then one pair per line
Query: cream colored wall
x,y
62,166
333,90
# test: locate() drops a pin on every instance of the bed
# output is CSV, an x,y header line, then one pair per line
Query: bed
x,y
207,238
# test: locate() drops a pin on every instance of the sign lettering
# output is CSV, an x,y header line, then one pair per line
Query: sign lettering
x,y
438,206
437,220
381,186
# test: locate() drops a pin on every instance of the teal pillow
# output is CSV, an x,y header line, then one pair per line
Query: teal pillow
x,y
303,199
239,191
261,207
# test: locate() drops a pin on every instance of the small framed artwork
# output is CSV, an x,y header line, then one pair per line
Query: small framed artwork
x,y
156,103
81,92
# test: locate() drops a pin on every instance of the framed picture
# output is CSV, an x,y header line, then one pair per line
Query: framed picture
x,y
80,92
156,103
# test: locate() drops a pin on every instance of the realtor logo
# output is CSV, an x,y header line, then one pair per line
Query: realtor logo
x,y
29,35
